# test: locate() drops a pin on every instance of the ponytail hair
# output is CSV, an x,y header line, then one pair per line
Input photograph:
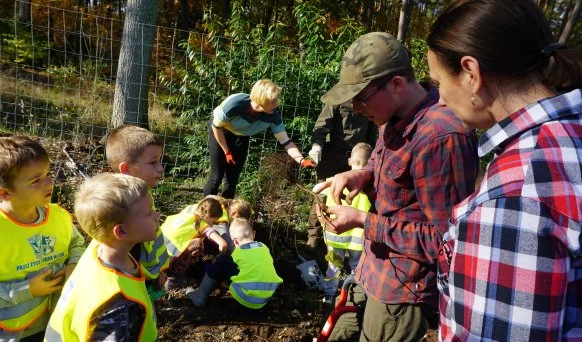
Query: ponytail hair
x,y
511,39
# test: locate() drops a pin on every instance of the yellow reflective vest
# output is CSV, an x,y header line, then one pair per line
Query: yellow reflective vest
x,y
353,238
257,279
183,227
26,250
91,285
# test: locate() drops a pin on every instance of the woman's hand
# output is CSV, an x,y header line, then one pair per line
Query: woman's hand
x,y
229,158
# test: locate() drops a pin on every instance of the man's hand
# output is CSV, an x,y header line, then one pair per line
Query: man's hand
x,y
43,284
340,218
161,281
305,163
229,158
354,181
315,153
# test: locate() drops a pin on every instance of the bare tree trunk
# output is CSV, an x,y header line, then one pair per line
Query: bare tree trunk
x,y
183,16
404,22
570,22
368,14
130,104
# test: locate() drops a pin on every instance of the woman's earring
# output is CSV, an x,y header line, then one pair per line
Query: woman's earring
x,y
473,100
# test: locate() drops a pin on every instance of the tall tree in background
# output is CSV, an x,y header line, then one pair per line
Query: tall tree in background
x,y
404,21
130,104
570,22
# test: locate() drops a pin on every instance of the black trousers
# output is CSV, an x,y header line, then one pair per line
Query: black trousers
x,y
219,168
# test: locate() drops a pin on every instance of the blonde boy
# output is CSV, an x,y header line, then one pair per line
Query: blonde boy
x,y
106,297
137,152
250,270
39,246
348,243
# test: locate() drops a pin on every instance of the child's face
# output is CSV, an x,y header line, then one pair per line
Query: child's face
x,y
148,166
143,222
211,221
32,186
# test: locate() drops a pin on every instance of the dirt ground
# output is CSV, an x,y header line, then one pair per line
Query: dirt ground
x,y
295,313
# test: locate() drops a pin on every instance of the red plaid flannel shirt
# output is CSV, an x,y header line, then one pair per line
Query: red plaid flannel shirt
x,y
511,267
422,166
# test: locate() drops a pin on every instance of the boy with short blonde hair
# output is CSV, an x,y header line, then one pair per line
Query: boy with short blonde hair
x,y
39,247
137,152
250,270
126,143
116,211
348,243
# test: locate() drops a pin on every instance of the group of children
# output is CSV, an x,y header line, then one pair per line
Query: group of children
x,y
109,294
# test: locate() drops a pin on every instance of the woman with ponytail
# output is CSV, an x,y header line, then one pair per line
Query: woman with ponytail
x,y
510,267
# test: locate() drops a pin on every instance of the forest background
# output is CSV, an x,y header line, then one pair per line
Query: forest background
x,y
70,70
64,64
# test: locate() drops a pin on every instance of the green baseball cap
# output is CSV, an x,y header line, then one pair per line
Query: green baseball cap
x,y
371,56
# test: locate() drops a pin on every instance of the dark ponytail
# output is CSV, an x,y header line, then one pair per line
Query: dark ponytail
x,y
511,39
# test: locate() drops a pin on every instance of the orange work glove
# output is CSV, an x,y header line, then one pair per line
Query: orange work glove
x,y
229,158
305,163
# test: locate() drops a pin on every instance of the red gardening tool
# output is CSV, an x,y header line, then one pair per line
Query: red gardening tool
x,y
339,310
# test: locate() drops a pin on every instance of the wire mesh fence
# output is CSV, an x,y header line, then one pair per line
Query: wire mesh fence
x,y
58,71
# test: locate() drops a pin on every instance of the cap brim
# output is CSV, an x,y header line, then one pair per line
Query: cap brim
x,y
341,93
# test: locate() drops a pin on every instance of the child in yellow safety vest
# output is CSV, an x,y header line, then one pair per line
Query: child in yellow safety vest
x,y
184,232
106,297
348,243
250,270
137,152
39,247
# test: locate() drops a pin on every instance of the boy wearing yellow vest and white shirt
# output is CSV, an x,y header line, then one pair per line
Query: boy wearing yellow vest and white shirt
x,y
106,297
39,247
137,152
250,270
348,243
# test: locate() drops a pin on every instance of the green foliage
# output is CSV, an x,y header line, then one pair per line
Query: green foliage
x,y
234,55
418,52
19,45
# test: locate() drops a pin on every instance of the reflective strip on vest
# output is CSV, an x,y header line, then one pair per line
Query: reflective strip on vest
x,y
21,309
154,256
51,335
351,239
239,290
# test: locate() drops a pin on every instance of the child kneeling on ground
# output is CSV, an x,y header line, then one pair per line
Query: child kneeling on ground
x,y
106,297
185,231
250,270
348,243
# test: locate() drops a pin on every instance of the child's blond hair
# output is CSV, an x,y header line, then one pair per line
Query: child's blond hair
x,y
17,152
242,207
264,91
241,229
126,143
106,200
209,207
360,154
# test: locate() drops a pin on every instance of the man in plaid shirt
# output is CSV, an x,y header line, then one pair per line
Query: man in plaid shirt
x,y
424,162
511,265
